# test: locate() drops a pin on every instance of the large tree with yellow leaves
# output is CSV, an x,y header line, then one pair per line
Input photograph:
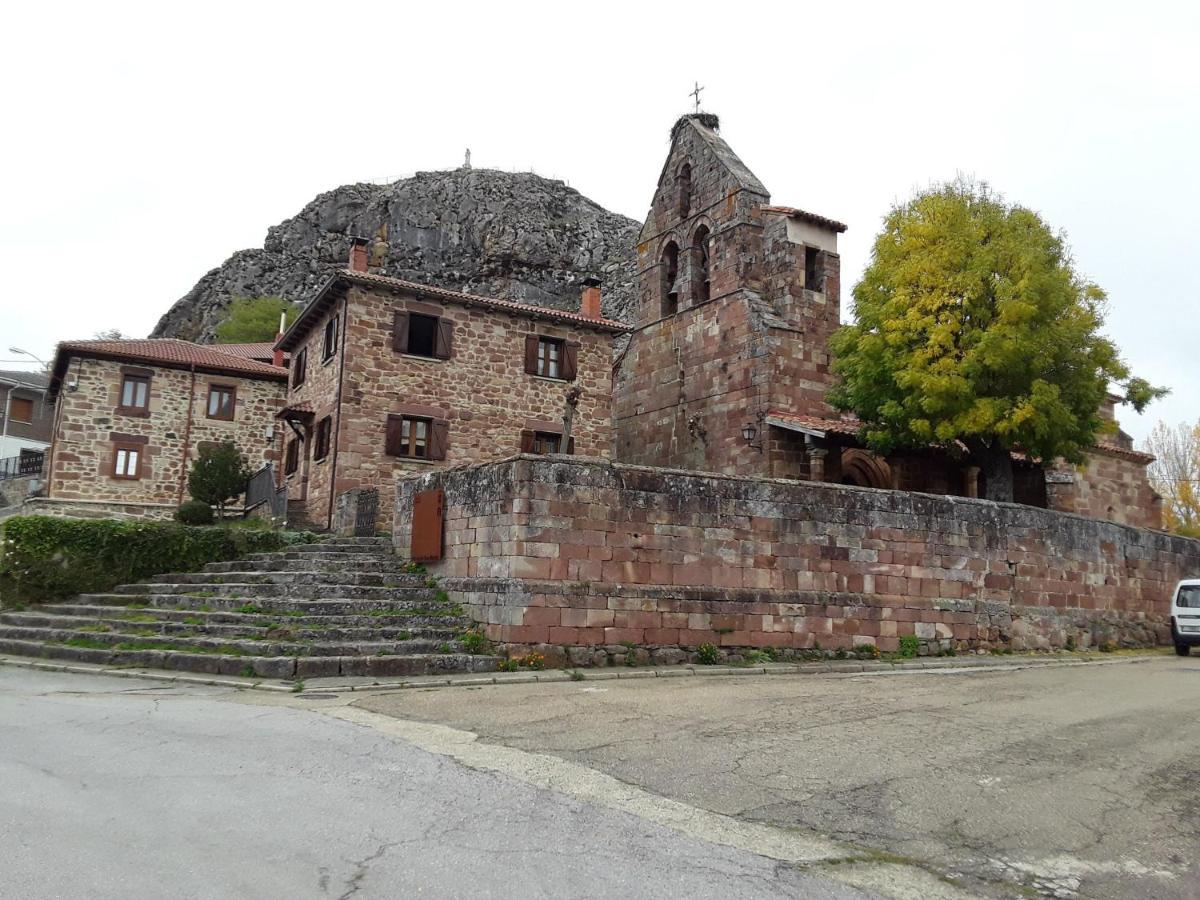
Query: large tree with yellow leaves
x,y
973,329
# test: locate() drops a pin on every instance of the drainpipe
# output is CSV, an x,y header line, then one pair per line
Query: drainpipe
x,y
187,437
345,318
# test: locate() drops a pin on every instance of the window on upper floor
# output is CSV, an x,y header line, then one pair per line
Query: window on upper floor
x,y
683,183
291,460
222,398
551,357
299,368
127,461
135,394
20,409
419,334
329,344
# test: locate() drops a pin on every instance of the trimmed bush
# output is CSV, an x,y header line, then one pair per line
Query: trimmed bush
x,y
47,558
194,512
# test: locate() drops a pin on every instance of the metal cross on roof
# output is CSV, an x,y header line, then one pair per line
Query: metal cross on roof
x,y
696,93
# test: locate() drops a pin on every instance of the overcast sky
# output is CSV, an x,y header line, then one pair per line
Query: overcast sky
x,y
143,144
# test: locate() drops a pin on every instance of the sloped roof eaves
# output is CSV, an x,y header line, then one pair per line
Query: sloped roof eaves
x,y
167,353
319,303
792,213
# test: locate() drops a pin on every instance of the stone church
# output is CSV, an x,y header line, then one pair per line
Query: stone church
x,y
728,368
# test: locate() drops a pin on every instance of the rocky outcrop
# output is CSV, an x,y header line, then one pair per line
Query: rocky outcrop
x,y
512,235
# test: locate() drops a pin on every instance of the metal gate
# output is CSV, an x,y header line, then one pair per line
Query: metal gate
x,y
366,513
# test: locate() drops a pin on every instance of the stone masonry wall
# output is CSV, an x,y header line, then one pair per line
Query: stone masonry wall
x,y
482,391
588,552
1108,486
88,423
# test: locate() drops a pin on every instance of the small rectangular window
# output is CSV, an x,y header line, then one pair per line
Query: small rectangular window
x,y
221,401
135,393
21,410
813,279
299,365
416,437
321,443
292,459
126,462
422,334
329,347
544,442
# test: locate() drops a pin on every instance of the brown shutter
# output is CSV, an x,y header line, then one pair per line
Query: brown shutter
x,y
393,435
531,350
570,360
571,446
527,440
400,331
444,341
439,439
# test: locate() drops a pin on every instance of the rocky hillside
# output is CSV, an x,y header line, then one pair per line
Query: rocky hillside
x,y
515,236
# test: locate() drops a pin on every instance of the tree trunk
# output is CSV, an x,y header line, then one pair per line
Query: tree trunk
x,y
997,468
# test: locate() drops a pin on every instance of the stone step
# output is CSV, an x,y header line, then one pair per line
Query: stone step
x,y
317,628
393,580
234,646
277,606
259,591
150,614
313,562
285,667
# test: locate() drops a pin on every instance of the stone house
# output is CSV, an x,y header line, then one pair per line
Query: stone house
x,y
390,377
728,366
25,417
130,416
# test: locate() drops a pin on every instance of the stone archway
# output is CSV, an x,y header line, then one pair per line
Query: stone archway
x,y
865,469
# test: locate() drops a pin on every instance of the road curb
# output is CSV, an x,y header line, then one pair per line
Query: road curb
x,y
841,668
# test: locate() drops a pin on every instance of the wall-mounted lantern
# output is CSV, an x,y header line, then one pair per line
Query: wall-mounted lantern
x,y
749,432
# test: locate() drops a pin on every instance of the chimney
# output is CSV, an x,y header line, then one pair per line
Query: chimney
x,y
277,359
358,254
590,305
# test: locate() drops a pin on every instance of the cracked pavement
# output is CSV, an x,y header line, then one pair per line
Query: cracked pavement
x,y
115,788
1061,782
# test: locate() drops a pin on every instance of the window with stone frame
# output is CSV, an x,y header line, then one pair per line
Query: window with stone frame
x,y
684,187
321,441
291,459
416,437
299,367
669,266
551,357
135,394
127,461
222,400
20,409
422,334
700,264
814,276
329,343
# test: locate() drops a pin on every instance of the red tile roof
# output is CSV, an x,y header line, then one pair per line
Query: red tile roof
x,y
303,408
847,425
259,351
316,306
170,352
792,213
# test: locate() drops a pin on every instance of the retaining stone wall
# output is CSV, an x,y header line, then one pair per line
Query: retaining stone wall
x,y
593,553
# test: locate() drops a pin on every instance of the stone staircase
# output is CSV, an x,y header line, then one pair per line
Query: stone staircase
x,y
342,606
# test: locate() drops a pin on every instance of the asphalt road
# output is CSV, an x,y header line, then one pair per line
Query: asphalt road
x,y
1066,781
127,789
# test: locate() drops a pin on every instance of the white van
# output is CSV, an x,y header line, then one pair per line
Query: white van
x,y
1185,615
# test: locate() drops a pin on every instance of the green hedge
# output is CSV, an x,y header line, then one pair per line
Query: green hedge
x,y
47,558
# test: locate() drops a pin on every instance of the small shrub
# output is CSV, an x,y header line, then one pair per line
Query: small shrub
x,y
413,568
445,649
247,671
576,675
866,651
840,653
532,661
474,641
948,651
1069,645
508,665
910,645
708,655
194,512
1108,646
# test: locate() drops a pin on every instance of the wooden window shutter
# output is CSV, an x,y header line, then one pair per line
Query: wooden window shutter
x,y
527,439
392,437
444,341
570,366
570,448
400,331
531,354
439,439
